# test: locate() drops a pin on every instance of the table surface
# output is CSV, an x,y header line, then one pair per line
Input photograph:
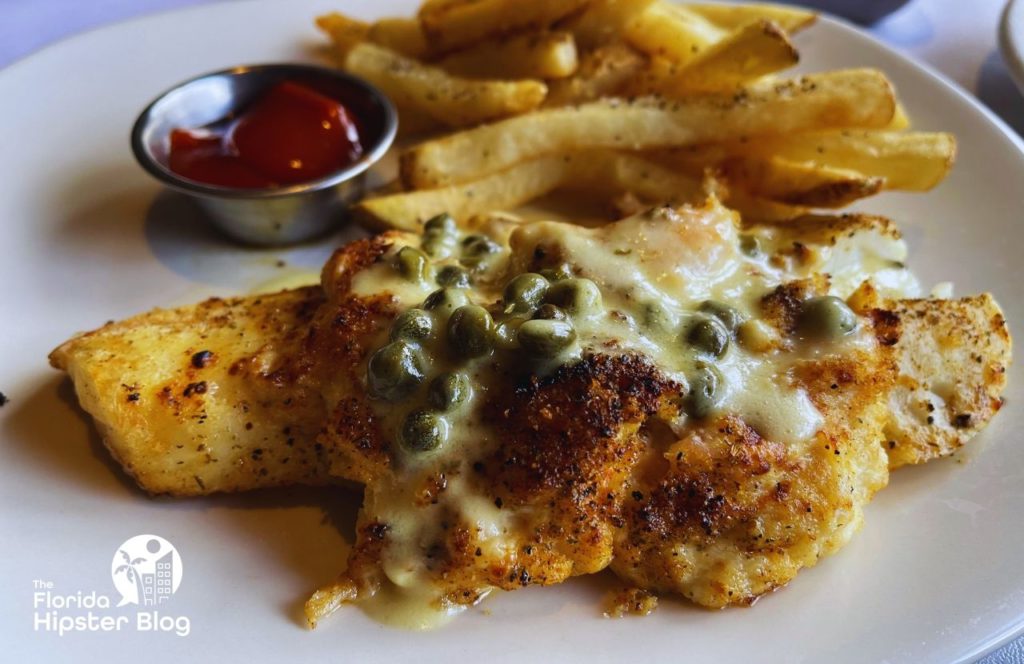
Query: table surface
x,y
956,37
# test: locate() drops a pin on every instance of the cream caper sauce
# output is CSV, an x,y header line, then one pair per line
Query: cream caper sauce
x,y
682,290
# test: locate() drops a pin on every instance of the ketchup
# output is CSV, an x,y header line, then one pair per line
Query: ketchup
x,y
292,134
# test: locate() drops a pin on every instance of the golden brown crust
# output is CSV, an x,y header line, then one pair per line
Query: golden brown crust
x,y
206,398
731,515
953,356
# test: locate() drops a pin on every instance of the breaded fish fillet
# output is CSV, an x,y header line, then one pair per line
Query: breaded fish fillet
x,y
596,461
205,398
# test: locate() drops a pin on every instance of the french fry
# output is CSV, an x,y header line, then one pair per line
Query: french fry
x,y
432,91
839,99
401,35
733,17
603,21
504,190
547,54
459,25
672,32
602,72
344,31
439,6
604,173
906,161
800,184
900,119
755,50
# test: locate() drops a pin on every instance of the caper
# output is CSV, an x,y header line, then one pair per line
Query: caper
x,y
442,223
423,431
411,263
445,300
412,325
524,293
506,333
708,335
655,316
726,315
549,312
476,249
558,273
448,391
750,245
579,297
827,317
394,371
471,331
438,245
453,276
706,391
546,337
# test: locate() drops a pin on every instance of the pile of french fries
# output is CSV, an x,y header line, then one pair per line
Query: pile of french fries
x,y
639,102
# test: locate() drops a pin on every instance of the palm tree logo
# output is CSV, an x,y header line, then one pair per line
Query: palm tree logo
x,y
131,572
146,569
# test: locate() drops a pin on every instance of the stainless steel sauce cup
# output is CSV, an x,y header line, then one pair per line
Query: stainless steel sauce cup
x,y
278,215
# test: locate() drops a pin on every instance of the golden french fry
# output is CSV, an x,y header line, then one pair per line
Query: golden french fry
x,y
460,25
401,35
603,21
602,72
900,119
732,17
672,32
438,6
801,184
344,31
907,161
447,99
504,190
751,52
603,173
838,99
547,54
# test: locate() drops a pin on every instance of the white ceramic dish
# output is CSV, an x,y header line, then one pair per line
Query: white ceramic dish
x,y
86,236
1011,40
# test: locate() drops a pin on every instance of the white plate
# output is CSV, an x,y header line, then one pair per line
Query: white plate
x,y
935,575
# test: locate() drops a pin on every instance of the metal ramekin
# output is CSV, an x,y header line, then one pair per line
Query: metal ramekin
x,y
280,215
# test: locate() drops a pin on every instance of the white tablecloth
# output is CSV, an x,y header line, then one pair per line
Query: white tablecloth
x,y
957,37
